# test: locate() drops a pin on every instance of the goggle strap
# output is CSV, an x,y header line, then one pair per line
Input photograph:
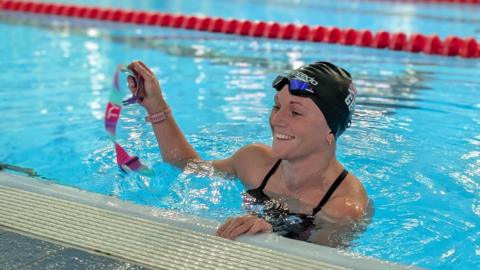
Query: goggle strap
x,y
279,82
112,116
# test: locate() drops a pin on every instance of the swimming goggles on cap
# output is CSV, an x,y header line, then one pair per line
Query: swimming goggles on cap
x,y
295,87
112,115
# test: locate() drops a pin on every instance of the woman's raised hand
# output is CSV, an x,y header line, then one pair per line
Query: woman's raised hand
x,y
148,88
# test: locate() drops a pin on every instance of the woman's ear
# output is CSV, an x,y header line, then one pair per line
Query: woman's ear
x,y
330,138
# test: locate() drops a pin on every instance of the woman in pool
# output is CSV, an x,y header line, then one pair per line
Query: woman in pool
x,y
298,179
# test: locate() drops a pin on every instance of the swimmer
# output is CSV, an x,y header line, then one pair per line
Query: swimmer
x,y
313,106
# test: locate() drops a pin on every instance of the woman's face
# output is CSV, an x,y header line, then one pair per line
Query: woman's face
x,y
298,127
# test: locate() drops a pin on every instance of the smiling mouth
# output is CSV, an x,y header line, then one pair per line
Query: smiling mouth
x,y
283,137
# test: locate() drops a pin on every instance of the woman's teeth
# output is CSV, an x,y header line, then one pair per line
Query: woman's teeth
x,y
281,136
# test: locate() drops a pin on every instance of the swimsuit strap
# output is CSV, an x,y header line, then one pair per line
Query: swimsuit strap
x,y
269,174
330,192
258,192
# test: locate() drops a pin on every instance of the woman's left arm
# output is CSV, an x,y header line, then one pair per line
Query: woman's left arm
x,y
339,221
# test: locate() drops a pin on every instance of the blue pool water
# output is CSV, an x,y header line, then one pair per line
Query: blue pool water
x,y
414,142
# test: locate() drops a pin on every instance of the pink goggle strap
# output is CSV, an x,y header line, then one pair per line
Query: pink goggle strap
x,y
112,115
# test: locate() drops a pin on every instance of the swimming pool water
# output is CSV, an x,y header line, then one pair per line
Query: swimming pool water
x,y
414,141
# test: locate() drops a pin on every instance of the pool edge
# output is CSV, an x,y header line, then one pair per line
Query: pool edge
x,y
328,258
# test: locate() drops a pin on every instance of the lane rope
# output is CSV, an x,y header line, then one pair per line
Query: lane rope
x,y
416,43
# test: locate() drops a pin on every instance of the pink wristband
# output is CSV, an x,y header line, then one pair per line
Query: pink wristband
x,y
158,117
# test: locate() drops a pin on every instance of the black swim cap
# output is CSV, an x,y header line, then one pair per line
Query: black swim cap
x,y
330,87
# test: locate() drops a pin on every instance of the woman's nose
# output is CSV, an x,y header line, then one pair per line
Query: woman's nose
x,y
278,118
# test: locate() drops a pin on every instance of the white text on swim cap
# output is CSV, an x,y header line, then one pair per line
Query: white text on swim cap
x,y
305,78
350,99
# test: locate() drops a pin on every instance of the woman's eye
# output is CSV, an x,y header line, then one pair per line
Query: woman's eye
x,y
275,107
294,113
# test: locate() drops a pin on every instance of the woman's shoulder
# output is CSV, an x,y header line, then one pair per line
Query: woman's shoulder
x,y
350,204
252,162
259,153
247,163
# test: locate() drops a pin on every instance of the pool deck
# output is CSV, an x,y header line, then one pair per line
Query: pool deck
x,y
18,251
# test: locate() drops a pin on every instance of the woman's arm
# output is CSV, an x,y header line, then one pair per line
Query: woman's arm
x,y
339,221
174,147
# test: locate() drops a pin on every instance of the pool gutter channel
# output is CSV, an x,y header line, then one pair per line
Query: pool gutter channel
x,y
155,238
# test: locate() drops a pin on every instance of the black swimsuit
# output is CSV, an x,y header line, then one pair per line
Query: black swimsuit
x,y
292,225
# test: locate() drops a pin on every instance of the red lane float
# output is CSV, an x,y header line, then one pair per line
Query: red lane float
x,y
302,33
381,40
398,41
258,29
364,38
273,30
415,43
288,31
349,36
190,22
245,28
433,45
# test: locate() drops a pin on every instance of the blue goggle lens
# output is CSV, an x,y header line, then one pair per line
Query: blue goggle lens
x,y
297,85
